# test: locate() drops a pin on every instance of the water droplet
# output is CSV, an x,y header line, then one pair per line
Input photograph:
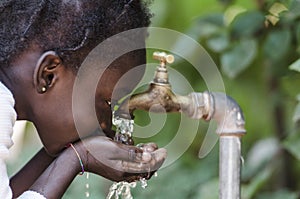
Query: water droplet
x,y
87,186
144,183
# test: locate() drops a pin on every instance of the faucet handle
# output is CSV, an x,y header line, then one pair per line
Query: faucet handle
x,y
163,57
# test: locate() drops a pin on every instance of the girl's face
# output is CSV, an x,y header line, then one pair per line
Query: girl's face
x,y
60,116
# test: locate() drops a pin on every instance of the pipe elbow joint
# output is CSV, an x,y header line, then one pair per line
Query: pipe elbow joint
x,y
219,107
228,115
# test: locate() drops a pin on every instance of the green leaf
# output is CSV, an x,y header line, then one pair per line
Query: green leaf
x,y
294,9
295,66
296,117
277,8
292,144
275,11
236,60
247,24
260,156
290,84
259,181
273,19
231,12
277,44
218,43
208,25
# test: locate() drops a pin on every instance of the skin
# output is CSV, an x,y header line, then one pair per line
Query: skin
x,y
52,114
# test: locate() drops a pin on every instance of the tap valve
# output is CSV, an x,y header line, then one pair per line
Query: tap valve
x,y
161,74
163,58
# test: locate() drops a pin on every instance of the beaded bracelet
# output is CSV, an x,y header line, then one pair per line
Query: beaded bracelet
x,y
80,161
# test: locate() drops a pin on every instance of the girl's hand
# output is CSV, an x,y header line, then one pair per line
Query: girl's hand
x,y
119,162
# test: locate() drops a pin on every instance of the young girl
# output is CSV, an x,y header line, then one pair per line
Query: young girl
x,y
42,45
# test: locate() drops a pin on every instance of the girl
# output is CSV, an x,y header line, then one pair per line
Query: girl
x,y
42,45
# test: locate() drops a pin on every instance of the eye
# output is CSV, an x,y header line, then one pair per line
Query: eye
x,y
108,102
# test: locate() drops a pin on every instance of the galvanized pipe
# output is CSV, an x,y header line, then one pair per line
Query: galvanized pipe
x,y
229,167
231,127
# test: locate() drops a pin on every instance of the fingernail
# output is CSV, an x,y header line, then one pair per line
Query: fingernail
x,y
146,156
149,149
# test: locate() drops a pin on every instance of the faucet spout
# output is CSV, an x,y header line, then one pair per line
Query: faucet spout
x,y
158,98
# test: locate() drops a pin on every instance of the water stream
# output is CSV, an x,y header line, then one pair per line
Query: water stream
x,y
124,130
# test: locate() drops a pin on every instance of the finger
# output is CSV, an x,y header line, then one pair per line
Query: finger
x,y
136,167
149,147
128,153
146,157
157,159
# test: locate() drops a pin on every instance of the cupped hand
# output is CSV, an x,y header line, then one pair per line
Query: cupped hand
x,y
119,162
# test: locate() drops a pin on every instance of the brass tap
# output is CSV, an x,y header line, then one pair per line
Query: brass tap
x,y
160,98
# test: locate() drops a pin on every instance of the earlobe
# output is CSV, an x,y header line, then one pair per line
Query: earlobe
x,y
45,71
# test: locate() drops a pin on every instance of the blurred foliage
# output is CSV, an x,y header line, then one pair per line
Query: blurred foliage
x,y
256,45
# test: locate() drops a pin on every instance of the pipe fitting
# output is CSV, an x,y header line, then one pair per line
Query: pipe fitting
x,y
228,114
199,106
219,107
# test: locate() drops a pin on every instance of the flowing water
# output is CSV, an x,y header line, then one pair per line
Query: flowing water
x,y
124,130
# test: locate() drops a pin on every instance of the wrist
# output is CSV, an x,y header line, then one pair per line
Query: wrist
x,y
82,156
53,182
75,155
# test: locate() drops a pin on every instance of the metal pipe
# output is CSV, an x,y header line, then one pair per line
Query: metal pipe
x,y
208,106
229,167
231,127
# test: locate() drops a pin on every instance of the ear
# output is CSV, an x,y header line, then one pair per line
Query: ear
x,y
45,72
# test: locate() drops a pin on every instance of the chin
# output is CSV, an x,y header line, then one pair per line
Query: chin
x,y
54,150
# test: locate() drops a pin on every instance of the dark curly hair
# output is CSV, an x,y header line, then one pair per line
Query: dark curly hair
x,y
65,26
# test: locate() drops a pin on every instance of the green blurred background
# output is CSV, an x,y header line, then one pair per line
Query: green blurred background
x,y
256,45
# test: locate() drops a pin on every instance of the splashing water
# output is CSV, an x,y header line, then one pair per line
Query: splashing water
x,y
124,130
123,189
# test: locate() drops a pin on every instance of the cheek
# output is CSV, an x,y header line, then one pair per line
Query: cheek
x,y
104,117
127,82
116,84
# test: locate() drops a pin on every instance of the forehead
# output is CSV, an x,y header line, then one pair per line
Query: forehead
x,y
128,61
107,73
